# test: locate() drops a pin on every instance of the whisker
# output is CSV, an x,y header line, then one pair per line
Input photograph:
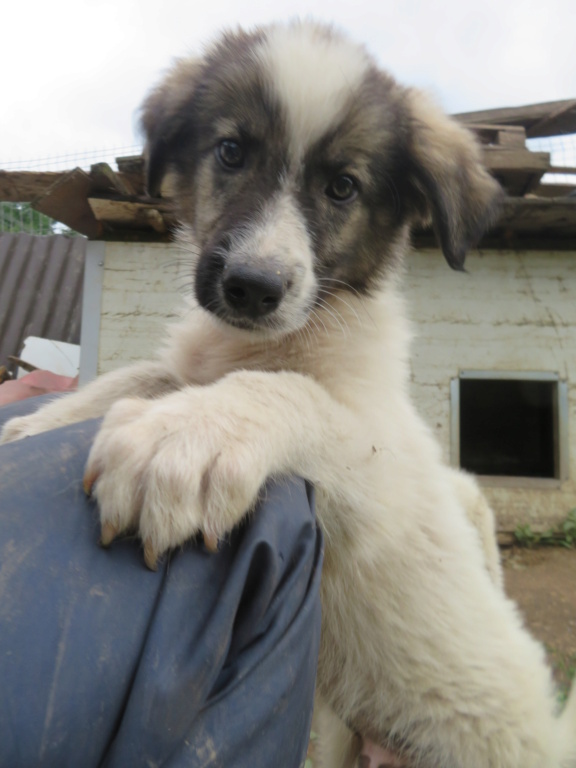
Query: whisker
x,y
313,321
352,308
338,295
314,314
304,335
346,304
333,312
348,286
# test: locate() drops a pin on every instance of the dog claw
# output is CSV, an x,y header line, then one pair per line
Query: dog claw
x,y
211,542
150,556
108,534
88,482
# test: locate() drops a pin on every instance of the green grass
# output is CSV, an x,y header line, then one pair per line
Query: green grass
x,y
564,535
564,666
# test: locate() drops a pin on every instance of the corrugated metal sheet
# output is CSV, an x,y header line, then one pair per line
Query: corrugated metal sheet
x,y
40,289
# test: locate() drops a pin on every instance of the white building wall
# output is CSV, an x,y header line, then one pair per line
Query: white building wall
x,y
511,311
142,289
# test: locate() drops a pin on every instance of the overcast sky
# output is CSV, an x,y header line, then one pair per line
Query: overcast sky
x,y
75,71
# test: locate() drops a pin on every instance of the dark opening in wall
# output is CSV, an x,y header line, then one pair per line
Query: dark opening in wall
x,y
509,427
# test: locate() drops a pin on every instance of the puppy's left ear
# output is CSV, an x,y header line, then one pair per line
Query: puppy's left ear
x,y
165,117
453,188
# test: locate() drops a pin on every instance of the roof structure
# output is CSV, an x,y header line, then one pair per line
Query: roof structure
x,y
107,204
551,118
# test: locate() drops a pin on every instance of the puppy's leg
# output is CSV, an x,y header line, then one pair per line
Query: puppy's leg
x,y
141,380
482,517
334,738
336,745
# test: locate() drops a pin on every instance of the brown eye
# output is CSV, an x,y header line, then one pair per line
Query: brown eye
x,y
230,154
342,189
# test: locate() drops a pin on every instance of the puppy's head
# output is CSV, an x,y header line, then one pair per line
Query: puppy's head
x,y
299,167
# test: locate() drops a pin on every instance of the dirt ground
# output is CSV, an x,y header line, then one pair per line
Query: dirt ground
x,y
543,583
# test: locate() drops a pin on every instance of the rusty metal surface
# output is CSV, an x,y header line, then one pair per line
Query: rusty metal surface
x,y
40,289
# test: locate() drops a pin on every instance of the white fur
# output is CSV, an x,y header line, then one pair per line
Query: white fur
x,y
306,65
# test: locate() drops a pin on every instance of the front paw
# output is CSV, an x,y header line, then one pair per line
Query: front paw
x,y
170,469
22,426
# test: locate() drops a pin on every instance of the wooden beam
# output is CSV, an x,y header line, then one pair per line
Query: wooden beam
x,y
131,164
24,186
567,169
128,214
505,136
551,118
107,180
540,126
540,217
498,160
555,190
67,201
527,224
132,169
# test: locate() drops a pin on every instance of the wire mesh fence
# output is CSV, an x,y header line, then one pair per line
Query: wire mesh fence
x,y
66,162
563,155
21,217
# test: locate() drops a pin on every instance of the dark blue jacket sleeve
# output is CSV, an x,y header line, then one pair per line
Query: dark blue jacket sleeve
x,y
210,661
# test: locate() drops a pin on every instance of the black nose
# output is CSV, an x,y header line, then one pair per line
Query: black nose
x,y
251,291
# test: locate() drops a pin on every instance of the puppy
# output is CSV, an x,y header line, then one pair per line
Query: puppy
x,y
298,168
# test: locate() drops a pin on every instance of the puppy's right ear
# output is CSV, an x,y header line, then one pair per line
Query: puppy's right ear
x,y
165,114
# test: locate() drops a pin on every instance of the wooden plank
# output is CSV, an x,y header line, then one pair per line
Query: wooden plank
x,y
537,128
132,169
518,184
565,169
519,171
67,201
566,205
24,186
507,136
107,180
498,160
133,215
536,118
527,223
512,115
130,164
513,136
555,190
541,216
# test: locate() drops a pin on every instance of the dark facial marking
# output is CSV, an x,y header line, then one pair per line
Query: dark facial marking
x,y
352,195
